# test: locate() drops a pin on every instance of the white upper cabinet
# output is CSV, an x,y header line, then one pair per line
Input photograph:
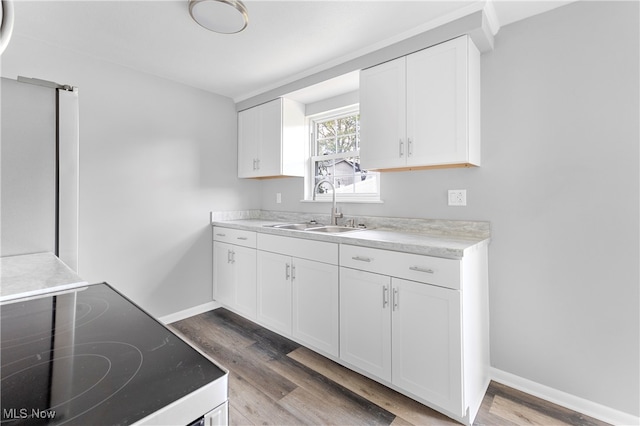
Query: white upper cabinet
x,y
271,140
383,111
422,110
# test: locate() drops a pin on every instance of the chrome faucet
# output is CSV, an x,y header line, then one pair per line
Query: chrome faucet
x,y
334,209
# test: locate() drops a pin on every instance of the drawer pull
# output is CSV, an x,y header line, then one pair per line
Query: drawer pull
x,y
419,269
362,259
242,238
221,235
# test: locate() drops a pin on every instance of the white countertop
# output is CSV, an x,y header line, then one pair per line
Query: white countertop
x,y
33,274
449,247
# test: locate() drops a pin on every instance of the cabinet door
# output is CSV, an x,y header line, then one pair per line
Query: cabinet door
x,y
270,147
219,416
223,273
274,291
248,141
427,349
383,116
315,304
245,290
365,321
437,104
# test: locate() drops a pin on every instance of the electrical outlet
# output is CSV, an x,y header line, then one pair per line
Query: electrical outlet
x,y
457,197
278,198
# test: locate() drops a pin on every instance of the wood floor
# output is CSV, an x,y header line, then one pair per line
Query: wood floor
x,y
274,381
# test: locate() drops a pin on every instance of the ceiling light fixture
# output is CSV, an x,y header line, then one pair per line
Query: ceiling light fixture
x,y
6,23
221,16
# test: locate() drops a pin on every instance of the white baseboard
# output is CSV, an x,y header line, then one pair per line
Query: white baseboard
x,y
572,402
177,316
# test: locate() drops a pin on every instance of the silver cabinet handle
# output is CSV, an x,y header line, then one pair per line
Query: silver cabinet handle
x,y
287,273
385,296
254,164
228,256
293,272
233,256
395,296
409,150
419,269
258,163
221,234
401,146
362,259
242,238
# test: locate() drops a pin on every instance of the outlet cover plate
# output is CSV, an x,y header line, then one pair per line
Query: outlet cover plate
x,y
457,197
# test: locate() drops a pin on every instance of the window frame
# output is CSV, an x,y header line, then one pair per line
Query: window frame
x,y
312,159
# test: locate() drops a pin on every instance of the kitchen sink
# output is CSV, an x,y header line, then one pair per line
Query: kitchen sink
x,y
295,226
332,229
314,227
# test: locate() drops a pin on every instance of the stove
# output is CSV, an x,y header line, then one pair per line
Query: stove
x,y
91,356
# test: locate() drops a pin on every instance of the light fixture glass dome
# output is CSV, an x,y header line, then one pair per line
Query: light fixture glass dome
x,y
6,23
221,16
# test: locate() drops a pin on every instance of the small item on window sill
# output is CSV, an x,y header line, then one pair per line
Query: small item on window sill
x,y
362,226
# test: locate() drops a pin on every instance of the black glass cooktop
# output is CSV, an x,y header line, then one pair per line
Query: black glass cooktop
x,y
89,357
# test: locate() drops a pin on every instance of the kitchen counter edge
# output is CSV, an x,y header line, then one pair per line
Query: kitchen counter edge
x,y
380,238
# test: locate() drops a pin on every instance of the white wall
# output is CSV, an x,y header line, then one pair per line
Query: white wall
x,y
560,185
155,158
561,117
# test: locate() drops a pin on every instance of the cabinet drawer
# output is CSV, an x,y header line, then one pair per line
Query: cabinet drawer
x,y
319,251
235,236
414,267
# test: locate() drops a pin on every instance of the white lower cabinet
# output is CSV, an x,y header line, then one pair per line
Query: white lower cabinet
x,y
403,332
234,270
298,297
315,305
426,342
274,291
219,416
365,321
418,324
223,273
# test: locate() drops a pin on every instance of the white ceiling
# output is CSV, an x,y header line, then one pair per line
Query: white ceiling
x,y
285,40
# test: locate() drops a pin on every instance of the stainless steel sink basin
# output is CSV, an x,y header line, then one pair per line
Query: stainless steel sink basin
x,y
314,227
332,229
296,226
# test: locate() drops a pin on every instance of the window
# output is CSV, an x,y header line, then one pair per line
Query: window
x,y
335,156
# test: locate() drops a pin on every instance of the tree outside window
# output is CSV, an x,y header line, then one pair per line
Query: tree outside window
x,y
336,157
